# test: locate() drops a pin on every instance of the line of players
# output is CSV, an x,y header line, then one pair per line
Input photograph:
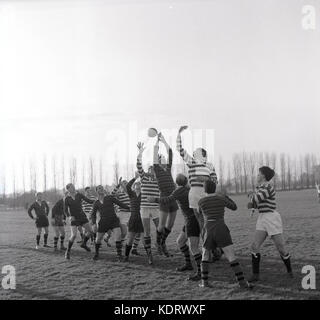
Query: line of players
x,y
153,195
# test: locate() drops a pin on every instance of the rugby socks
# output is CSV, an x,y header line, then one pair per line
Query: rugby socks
x,y
185,250
61,241
165,234
85,240
119,248
147,244
197,258
97,247
70,244
159,237
55,242
204,272
38,239
255,263
238,273
45,238
128,249
287,262
136,242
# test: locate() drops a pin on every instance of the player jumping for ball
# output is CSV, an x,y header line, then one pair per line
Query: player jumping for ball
x,y
191,230
168,211
149,187
41,210
269,222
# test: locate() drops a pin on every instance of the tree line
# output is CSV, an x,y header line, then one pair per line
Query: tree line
x,y
237,175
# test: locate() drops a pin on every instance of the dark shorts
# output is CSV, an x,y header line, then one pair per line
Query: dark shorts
x,y
135,224
58,222
79,222
191,227
104,225
172,207
217,234
42,222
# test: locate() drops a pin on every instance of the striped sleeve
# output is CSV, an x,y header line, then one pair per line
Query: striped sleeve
x,y
139,166
183,153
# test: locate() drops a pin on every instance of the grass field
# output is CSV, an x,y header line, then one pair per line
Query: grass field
x,y
44,274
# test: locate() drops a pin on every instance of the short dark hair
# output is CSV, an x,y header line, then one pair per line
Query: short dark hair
x,y
204,152
210,186
267,172
87,188
181,180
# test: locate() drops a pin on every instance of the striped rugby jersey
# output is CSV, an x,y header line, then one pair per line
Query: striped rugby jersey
x,y
264,199
87,207
196,168
164,177
149,187
213,206
121,196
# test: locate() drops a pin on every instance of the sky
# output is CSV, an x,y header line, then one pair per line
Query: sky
x,y
77,76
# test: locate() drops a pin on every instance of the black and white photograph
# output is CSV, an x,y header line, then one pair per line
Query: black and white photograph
x,y
159,150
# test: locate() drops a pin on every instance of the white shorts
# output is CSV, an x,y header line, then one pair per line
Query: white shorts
x,y
123,217
270,222
152,213
195,194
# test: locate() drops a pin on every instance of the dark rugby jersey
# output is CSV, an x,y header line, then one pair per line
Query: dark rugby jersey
x,y
41,209
58,213
264,199
213,206
135,201
181,195
73,207
164,177
106,209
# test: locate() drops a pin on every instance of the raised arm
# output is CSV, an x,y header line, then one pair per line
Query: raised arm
x,y
156,153
183,153
129,187
169,150
213,175
139,159
116,188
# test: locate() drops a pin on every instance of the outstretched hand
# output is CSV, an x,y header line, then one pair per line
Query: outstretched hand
x,y
182,128
141,147
119,182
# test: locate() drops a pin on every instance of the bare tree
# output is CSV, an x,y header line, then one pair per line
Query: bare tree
x,y
236,172
221,175
54,174
307,166
44,173
252,169
63,172
116,173
91,174
245,165
73,171
289,175
283,170
100,172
